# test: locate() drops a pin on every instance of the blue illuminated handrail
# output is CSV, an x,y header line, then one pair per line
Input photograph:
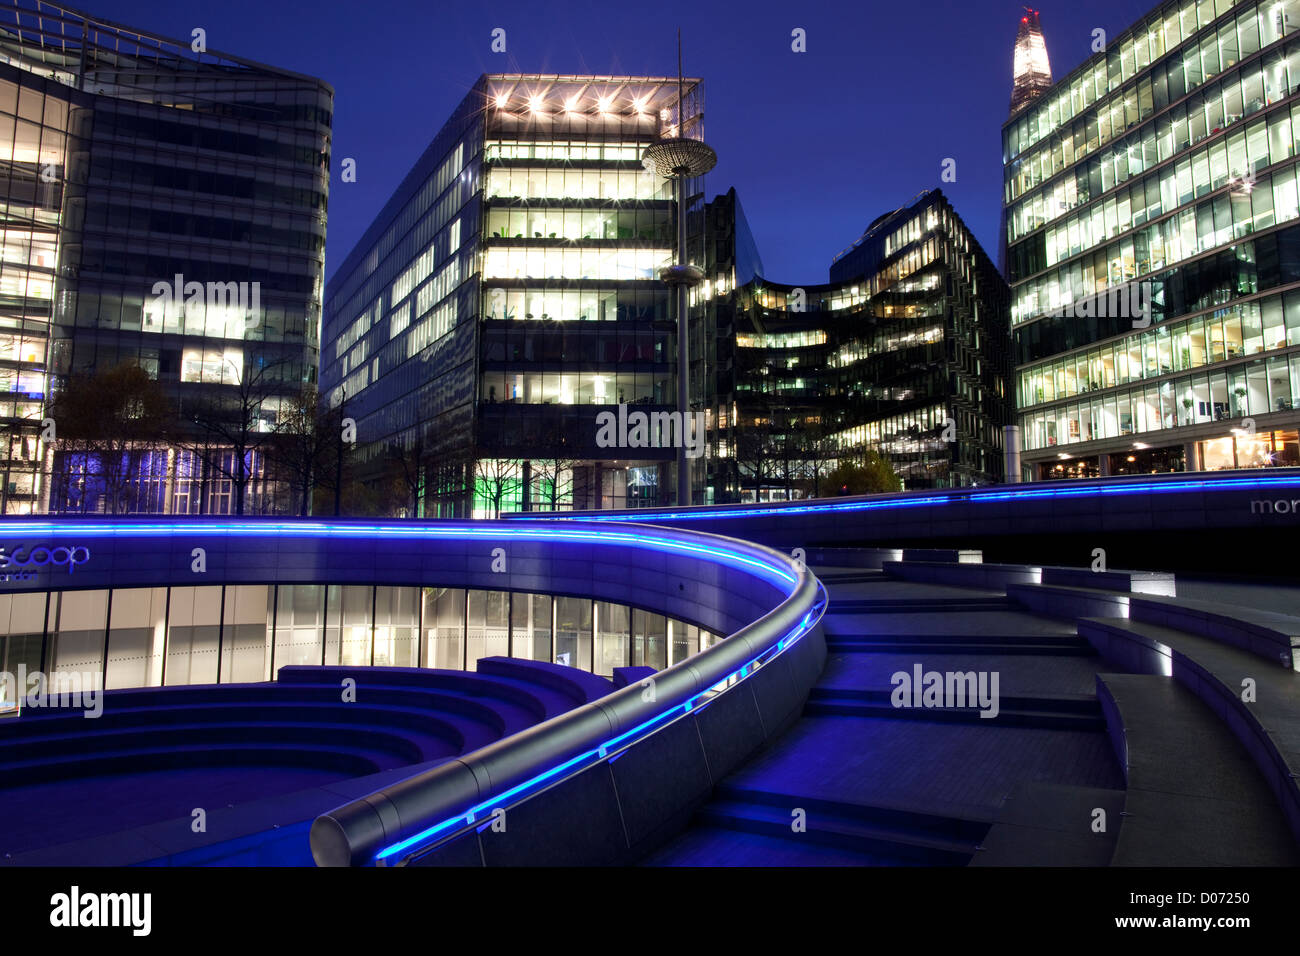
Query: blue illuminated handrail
x,y
408,818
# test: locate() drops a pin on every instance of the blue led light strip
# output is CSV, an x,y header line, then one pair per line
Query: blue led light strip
x,y
1007,493
786,580
606,749
647,539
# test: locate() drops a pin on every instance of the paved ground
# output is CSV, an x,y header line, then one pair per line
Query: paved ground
x,y
874,772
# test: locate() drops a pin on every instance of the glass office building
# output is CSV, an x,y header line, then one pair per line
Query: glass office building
x,y
509,293
132,166
905,350
1153,248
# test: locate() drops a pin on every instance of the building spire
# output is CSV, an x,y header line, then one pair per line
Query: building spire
x,y
1032,72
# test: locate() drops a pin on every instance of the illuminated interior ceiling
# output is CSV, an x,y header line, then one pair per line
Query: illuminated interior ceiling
x,y
538,96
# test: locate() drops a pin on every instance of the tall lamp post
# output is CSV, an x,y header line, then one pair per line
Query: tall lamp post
x,y
680,159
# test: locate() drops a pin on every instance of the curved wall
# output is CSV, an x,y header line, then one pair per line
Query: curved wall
x,y
721,585
1175,522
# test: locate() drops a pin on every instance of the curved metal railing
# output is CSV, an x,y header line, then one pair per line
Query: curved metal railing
x,y
405,820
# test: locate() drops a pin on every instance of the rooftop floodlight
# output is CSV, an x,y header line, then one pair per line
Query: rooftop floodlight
x,y
603,103
571,104
535,103
501,100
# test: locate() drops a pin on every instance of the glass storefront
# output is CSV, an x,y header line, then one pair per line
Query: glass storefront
x,y
149,637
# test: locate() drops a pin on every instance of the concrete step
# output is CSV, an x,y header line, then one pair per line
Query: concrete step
x,y
1194,797
1042,713
902,835
1046,824
1267,725
917,605
937,647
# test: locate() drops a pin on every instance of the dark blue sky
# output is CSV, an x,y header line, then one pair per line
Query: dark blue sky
x,y
817,144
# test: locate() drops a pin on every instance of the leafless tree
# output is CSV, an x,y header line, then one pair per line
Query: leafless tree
x,y
231,422
498,476
115,418
300,448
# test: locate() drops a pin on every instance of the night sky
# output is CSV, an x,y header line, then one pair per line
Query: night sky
x,y
817,144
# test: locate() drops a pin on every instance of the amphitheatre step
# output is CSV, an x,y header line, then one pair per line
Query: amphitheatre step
x,y
295,754
989,577
1267,724
473,722
1019,675
1267,634
719,846
580,686
37,757
1134,582
872,645
1044,824
842,826
1047,714
919,605
1194,796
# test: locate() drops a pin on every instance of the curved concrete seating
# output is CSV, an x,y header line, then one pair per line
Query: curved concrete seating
x,y
975,574
578,685
400,718
1131,582
1266,634
968,574
1193,796
1268,726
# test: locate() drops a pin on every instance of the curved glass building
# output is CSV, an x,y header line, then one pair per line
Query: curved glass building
x,y
164,207
905,351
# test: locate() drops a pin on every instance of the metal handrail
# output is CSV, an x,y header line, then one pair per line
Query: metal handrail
x,y
408,818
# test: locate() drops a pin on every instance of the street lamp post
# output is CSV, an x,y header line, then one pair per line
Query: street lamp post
x,y
679,159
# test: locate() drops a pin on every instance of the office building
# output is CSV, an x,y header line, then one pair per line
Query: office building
x,y
1153,248
164,208
905,350
508,296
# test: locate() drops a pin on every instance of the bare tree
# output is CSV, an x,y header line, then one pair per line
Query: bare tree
x,y
230,424
114,417
300,447
499,476
754,456
550,471
410,461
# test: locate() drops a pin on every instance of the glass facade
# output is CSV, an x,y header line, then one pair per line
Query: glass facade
x,y
150,637
905,351
1160,174
137,172
509,292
